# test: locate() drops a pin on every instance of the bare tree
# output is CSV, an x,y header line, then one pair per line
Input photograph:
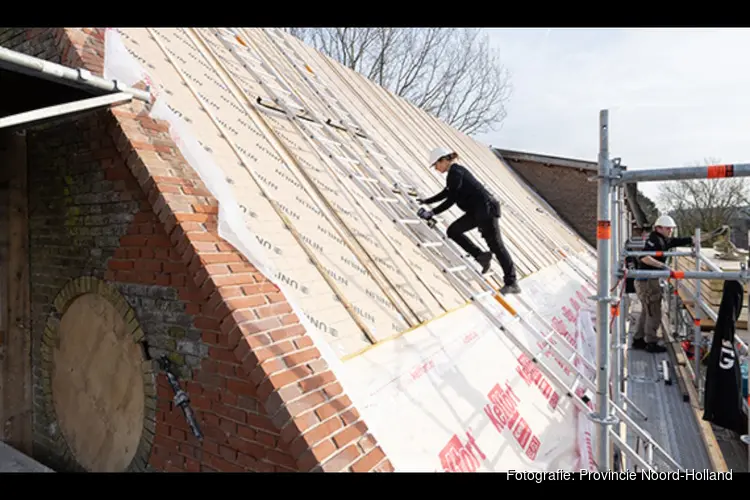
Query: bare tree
x,y
704,203
450,73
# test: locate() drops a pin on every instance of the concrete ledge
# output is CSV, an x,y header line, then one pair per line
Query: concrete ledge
x,y
12,460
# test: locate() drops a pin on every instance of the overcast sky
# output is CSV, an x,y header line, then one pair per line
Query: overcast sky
x,y
675,96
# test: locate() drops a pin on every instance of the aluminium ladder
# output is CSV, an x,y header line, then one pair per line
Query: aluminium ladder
x,y
349,123
291,108
417,230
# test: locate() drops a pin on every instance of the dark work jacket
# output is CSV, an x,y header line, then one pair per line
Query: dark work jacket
x,y
464,189
656,242
723,397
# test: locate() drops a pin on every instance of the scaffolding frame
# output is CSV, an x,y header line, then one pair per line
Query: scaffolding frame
x,y
614,228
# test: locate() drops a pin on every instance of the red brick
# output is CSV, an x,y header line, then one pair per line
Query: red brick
x,y
150,265
349,434
240,387
117,265
369,461
260,422
315,455
322,431
284,378
206,324
316,381
193,217
133,240
277,309
222,354
205,209
224,466
300,357
342,459
283,459
229,412
303,342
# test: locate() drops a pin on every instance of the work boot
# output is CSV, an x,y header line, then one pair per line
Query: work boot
x,y
639,344
485,260
654,347
512,288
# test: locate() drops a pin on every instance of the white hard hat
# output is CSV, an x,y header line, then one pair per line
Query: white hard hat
x,y
665,221
438,153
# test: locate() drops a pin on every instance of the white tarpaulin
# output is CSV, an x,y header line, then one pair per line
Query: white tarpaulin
x,y
457,395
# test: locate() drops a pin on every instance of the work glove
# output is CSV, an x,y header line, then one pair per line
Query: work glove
x,y
425,214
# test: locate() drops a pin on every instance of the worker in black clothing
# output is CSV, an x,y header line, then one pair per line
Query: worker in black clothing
x,y
482,211
649,289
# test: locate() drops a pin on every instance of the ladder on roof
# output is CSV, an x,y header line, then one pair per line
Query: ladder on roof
x,y
399,180
349,164
480,298
344,120
293,109
349,123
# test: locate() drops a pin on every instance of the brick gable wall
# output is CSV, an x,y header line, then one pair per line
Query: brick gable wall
x,y
111,197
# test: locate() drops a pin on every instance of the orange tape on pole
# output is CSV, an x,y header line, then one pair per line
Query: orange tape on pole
x,y
615,310
603,230
720,171
697,322
659,253
678,275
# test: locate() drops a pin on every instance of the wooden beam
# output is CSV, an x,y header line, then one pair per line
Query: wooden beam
x,y
16,398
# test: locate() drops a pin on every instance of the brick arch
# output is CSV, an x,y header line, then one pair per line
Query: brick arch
x,y
75,288
301,395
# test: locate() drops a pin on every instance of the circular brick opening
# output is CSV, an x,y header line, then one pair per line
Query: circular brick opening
x,y
98,392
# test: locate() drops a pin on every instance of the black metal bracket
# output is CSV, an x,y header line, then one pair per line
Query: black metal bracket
x,y
181,397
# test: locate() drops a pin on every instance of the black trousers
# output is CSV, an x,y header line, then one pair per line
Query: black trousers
x,y
489,227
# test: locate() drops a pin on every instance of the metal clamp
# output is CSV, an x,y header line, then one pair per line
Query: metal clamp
x,y
608,298
610,419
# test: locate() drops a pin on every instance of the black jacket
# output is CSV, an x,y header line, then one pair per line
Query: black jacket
x,y
657,242
723,397
464,189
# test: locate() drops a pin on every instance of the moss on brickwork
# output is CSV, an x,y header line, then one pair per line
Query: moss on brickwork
x,y
78,219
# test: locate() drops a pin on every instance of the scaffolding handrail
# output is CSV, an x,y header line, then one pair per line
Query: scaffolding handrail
x,y
678,275
657,253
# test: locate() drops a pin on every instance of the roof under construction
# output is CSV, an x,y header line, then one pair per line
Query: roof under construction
x,y
302,184
280,188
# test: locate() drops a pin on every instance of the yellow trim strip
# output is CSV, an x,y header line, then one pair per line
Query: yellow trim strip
x,y
393,337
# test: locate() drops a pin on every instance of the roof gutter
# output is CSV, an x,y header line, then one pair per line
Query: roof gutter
x,y
81,78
